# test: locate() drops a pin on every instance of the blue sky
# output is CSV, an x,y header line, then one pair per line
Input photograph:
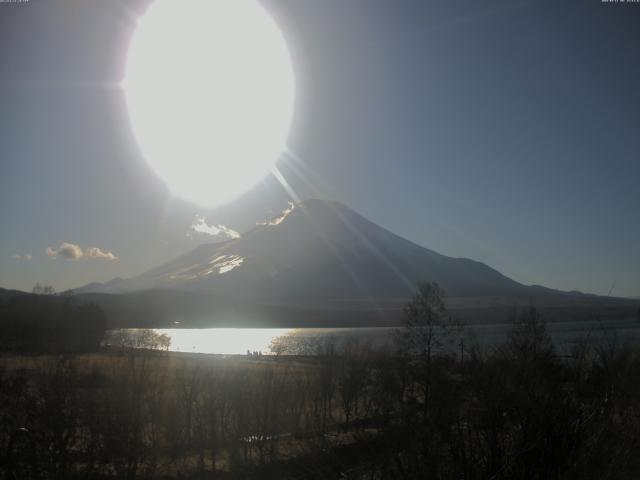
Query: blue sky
x,y
506,132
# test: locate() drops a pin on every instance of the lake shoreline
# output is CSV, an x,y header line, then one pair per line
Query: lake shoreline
x,y
243,341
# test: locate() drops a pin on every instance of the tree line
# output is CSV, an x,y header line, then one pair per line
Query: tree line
x,y
44,322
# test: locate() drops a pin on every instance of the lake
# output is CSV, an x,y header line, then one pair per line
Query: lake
x,y
239,341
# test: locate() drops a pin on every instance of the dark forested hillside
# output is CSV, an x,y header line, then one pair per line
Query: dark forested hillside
x,y
38,323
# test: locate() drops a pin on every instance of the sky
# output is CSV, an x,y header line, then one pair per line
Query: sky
x,y
503,131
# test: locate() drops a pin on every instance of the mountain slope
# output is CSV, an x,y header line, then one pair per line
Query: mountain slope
x,y
319,252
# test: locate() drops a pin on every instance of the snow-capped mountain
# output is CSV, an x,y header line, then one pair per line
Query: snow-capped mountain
x,y
316,252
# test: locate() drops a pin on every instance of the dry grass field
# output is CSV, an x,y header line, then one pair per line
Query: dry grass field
x,y
350,413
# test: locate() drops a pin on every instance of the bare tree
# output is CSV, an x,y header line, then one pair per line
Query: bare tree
x,y
39,289
424,315
425,323
352,378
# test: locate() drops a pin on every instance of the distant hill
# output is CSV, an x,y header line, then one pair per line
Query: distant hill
x,y
6,294
97,286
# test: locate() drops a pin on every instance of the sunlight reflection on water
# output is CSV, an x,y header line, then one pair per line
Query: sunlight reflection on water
x,y
225,341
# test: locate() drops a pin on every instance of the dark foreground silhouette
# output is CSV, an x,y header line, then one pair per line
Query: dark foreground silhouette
x,y
518,410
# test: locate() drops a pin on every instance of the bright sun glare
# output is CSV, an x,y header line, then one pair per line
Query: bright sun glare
x,y
210,91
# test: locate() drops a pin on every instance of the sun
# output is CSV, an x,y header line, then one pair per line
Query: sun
x,y
209,87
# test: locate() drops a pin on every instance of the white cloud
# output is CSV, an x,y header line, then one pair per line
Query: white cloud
x,y
66,250
279,219
26,257
95,252
72,251
200,225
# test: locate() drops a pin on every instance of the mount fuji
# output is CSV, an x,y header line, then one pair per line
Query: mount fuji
x,y
320,258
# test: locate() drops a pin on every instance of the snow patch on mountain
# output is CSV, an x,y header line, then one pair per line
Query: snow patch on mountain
x,y
280,218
